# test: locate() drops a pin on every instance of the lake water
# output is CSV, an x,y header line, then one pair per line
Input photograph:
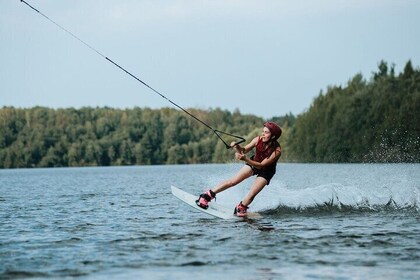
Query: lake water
x,y
320,221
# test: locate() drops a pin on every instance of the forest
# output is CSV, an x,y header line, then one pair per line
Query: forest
x,y
364,121
374,120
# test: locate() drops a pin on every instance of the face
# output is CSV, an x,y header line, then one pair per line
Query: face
x,y
266,134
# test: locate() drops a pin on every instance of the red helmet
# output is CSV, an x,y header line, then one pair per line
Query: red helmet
x,y
274,129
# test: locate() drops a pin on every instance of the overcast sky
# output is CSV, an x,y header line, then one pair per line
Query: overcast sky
x,y
263,57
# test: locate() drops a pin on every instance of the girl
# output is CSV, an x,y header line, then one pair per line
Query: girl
x,y
263,164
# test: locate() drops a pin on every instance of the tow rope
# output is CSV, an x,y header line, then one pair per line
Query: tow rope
x,y
215,131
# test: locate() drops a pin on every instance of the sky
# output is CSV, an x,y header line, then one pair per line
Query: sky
x,y
262,57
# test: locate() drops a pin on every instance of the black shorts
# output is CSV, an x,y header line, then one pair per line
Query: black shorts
x,y
265,173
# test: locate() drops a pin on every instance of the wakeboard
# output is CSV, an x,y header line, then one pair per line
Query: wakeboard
x,y
214,209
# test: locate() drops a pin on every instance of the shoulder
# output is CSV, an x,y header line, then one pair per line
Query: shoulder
x,y
255,140
276,147
253,143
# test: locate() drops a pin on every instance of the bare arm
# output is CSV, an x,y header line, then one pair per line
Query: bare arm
x,y
267,161
248,147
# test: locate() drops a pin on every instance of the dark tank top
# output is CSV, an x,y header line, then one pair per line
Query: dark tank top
x,y
263,151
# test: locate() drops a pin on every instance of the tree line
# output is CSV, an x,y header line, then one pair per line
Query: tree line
x,y
364,121
45,137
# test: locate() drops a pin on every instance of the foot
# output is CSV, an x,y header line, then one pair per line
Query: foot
x,y
204,199
240,210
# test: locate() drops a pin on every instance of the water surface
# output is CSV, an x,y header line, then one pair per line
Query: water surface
x,y
343,221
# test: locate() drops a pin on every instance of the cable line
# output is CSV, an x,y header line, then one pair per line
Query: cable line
x,y
215,131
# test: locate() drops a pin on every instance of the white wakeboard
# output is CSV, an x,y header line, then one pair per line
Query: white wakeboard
x,y
214,209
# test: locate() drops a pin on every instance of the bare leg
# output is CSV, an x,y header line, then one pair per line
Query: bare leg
x,y
243,173
258,185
